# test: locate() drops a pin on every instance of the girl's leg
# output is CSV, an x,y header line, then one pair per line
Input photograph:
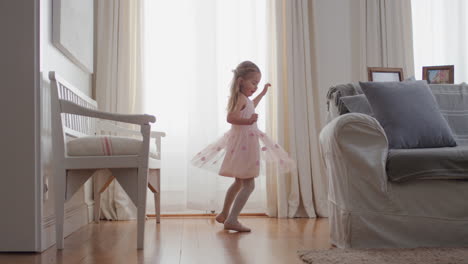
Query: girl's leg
x,y
230,195
232,222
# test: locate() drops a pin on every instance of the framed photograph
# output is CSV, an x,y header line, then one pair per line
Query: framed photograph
x,y
438,74
379,74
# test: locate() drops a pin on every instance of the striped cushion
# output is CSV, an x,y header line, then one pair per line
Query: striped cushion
x,y
453,103
106,146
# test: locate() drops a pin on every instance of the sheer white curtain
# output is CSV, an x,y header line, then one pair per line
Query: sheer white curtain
x,y
192,46
440,35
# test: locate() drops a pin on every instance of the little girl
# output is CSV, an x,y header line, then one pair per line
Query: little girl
x,y
239,152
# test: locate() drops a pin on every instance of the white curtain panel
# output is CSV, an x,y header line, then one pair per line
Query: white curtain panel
x,y
192,48
297,115
119,81
440,35
386,35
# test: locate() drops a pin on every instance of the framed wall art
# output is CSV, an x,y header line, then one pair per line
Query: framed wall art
x,y
73,31
439,74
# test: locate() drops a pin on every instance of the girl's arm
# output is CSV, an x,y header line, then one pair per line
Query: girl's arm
x,y
260,96
234,116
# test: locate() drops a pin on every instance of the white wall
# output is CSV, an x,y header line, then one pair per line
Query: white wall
x,y
19,47
78,208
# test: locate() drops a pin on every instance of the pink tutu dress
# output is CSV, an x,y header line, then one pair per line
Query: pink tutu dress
x,y
242,150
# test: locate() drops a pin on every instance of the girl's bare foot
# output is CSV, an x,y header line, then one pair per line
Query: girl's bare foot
x,y
220,218
236,226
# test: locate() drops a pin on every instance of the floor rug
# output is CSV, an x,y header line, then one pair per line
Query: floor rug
x,y
386,256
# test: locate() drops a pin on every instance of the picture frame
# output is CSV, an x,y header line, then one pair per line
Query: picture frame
x,y
382,74
443,74
73,31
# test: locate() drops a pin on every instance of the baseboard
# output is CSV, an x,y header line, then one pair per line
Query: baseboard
x,y
75,218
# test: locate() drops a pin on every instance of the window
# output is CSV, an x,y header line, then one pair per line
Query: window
x,y
440,35
191,49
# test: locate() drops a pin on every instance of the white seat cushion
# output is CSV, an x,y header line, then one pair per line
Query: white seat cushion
x,y
107,146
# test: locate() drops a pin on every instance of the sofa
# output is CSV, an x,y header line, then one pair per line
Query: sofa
x,y
381,197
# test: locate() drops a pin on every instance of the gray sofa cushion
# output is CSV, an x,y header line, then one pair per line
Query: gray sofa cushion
x,y
409,114
430,163
335,93
357,104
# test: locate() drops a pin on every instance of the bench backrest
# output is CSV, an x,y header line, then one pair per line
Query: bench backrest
x,y
75,125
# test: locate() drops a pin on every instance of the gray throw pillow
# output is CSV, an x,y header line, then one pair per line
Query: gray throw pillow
x,y
357,104
409,114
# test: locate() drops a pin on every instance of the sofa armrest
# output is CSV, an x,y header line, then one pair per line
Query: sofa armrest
x,y
354,150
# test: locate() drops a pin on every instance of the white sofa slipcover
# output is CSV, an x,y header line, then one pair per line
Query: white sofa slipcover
x,y
368,211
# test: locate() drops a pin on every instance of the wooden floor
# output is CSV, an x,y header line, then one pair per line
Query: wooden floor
x,y
186,240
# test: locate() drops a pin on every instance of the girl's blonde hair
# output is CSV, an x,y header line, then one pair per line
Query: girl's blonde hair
x,y
241,71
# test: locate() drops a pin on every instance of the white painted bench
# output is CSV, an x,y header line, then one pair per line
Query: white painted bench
x,y
82,145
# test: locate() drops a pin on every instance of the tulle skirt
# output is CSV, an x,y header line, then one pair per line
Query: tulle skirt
x,y
241,152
